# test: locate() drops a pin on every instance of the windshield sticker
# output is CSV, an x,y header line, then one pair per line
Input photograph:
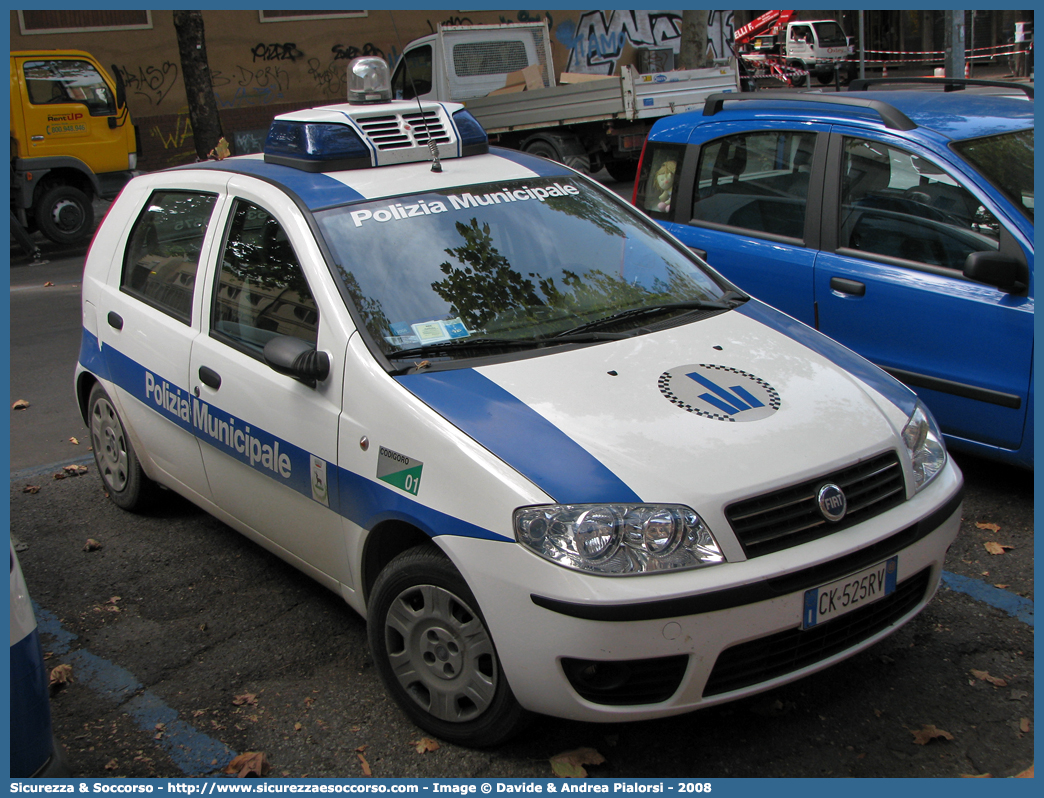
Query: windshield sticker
x,y
433,332
719,392
399,471
398,211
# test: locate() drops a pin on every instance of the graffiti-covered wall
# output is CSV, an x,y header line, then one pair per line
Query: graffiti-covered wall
x,y
598,41
262,66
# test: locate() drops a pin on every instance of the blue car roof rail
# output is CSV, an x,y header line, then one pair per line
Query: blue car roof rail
x,y
890,115
948,84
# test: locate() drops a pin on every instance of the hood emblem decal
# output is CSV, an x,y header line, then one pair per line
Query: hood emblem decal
x,y
719,392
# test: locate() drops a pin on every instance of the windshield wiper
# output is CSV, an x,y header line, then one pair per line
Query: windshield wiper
x,y
728,301
464,344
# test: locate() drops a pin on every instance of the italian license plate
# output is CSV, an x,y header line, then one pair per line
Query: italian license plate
x,y
831,601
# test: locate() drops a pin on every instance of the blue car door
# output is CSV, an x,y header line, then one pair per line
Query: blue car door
x,y
753,209
898,225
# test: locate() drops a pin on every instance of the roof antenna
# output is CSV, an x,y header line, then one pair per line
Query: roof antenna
x,y
436,164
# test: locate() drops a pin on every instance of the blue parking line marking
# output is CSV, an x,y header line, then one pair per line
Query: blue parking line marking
x,y
1014,605
195,753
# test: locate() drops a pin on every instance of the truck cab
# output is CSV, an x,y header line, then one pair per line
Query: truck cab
x,y
72,140
816,46
461,62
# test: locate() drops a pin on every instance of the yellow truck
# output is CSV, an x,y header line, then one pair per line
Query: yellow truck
x,y
72,140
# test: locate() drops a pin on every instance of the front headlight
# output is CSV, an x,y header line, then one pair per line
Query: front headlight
x,y
925,445
618,538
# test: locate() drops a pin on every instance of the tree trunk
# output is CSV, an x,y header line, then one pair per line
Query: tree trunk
x,y
694,40
195,71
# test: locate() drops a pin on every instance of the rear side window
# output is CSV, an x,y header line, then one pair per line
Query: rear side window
x,y
261,291
162,255
659,178
755,181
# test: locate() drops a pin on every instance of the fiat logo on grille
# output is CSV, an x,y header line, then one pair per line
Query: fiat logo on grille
x,y
832,502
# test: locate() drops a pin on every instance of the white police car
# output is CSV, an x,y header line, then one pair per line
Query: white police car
x,y
559,464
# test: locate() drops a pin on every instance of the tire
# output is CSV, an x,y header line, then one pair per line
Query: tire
x,y
797,81
622,171
825,78
435,655
118,465
545,149
64,215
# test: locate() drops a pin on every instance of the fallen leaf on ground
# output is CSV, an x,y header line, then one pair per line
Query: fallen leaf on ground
x,y
61,675
993,547
991,527
365,765
19,404
424,745
49,284
1002,587
31,489
246,698
91,545
1024,725
74,470
74,442
112,764
570,765
972,776
927,733
251,764
1026,774
984,676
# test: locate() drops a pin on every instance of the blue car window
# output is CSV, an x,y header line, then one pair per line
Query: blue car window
x,y
899,205
757,181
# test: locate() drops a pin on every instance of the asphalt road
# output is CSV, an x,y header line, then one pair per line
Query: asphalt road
x,y
189,644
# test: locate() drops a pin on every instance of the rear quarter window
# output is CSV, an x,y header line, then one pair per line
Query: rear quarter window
x,y
162,255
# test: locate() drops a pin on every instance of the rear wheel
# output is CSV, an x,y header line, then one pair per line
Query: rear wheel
x,y
435,654
121,472
798,80
621,170
64,214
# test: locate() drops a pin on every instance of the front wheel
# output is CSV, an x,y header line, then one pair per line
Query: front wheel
x,y
435,654
120,469
64,214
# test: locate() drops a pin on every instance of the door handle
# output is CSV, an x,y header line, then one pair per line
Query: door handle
x,y
852,287
115,320
699,253
209,377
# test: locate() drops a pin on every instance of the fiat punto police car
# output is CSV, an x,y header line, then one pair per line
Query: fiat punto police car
x,y
559,464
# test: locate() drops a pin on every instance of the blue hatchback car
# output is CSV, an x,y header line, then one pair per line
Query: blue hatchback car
x,y
898,222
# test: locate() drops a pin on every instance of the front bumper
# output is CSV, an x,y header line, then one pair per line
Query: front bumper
x,y
630,648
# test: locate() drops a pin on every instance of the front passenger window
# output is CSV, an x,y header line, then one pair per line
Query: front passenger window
x,y
900,205
261,291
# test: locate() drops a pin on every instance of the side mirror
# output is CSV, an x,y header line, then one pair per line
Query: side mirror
x,y
298,359
996,269
121,89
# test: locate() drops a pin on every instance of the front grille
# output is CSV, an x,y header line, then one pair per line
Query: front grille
x,y
791,516
626,682
395,131
770,657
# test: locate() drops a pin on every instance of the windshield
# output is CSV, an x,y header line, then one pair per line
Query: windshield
x,y
1007,162
830,34
509,264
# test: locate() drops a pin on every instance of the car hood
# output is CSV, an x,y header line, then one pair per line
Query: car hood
x,y
717,409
